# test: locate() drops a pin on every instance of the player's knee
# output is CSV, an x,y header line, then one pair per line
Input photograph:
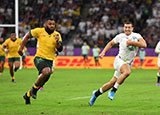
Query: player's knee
x,y
127,73
46,71
17,66
2,64
10,65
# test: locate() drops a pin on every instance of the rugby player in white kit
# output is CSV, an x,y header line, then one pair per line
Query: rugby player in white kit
x,y
128,47
157,50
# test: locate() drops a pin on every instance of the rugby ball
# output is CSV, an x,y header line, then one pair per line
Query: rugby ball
x,y
134,39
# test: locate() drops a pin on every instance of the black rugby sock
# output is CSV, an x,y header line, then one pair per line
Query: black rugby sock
x,y
114,89
98,93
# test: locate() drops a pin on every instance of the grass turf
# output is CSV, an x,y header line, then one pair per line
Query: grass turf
x,y
68,91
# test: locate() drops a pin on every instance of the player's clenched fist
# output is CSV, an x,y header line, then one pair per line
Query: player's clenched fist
x,y
101,55
20,52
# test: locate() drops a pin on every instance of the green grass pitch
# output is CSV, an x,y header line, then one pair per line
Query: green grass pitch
x,y
68,91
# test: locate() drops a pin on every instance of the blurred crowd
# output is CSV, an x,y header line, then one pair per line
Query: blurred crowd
x,y
105,19
96,21
32,13
65,12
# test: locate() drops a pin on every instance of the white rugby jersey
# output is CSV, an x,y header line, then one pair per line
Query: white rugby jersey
x,y
157,49
125,53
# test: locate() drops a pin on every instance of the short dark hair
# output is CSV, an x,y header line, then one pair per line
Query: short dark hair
x,y
49,18
128,22
85,41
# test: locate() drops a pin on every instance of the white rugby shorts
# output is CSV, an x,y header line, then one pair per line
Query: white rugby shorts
x,y
158,62
118,62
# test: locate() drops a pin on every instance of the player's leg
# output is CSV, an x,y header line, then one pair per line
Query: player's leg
x,y
43,77
103,89
125,72
16,64
23,61
158,77
86,61
158,74
50,64
99,64
2,61
10,64
2,67
96,63
41,86
84,58
53,66
141,63
44,74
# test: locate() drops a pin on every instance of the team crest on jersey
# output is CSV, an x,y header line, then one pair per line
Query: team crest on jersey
x,y
44,34
134,38
54,35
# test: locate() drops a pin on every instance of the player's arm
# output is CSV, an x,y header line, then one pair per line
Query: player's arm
x,y
140,43
59,45
107,47
24,41
144,53
157,49
81,50
88,50
92,52
5,46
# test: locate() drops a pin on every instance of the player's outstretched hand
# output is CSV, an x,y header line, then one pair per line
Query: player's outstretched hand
x,y
20,52
101,55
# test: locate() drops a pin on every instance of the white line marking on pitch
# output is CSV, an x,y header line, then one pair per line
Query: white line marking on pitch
x,y
76,98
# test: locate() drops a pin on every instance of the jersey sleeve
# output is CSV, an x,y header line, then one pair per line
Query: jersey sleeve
x,y
6,43
34,32
116,39
138,36
60,38
157,49
99,49
88,48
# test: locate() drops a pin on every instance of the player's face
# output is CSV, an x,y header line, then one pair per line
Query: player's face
x,y
13,36
51,24
84,43
128,29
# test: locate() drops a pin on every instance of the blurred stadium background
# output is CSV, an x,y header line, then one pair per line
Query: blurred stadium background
x,y
96,21
68,91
